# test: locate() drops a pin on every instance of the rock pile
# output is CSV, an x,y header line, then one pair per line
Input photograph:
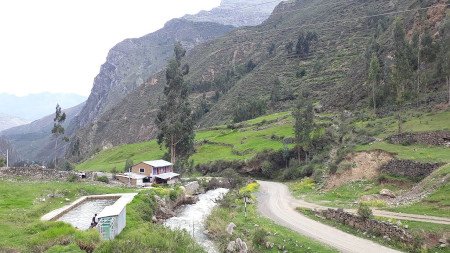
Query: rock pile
x,y
386,229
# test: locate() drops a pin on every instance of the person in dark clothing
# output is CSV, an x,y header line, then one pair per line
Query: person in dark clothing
x,y
94,221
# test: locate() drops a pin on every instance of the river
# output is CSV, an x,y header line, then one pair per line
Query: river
x,y
192,218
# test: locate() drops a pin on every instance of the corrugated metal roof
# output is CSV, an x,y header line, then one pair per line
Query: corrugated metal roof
x,y
158,163
168,175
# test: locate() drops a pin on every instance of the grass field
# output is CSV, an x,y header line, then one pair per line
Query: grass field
x,y
238,142
22,204
428,232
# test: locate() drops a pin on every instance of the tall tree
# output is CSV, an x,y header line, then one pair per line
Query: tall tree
x,y
303,124
174,119
58,129
443,63
402,69
374,77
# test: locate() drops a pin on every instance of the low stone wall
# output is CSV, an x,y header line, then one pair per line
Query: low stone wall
x,y
407,168
35,173
368,225
437,138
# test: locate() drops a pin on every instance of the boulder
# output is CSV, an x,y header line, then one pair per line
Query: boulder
x,y
241,246
231,247
230,228
387,193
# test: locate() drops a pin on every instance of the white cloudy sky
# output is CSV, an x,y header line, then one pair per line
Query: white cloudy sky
x,y
59,45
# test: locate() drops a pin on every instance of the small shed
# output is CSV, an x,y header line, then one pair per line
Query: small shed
x,y
167,178
112,219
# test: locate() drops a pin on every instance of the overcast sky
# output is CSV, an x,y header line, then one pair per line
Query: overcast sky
x,y
59,45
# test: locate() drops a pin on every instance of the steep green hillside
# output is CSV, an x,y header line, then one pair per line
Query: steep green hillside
x,y
257,64
233,142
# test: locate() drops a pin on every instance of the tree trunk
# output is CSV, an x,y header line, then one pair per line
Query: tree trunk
x,y
448,84
298,155
399,118
373,97
172,151
56,150
418,75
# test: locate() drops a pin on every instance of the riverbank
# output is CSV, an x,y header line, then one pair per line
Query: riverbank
x,y
259,234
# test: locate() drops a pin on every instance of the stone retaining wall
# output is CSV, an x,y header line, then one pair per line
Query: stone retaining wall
x,y
368,225
437,138
35,173
407,168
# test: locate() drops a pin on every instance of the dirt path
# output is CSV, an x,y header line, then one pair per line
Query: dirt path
x,y
276,202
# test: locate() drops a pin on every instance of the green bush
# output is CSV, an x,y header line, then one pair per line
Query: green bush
x,y
72,178
173,195
300,73
103,179
364,211
267,169
259,237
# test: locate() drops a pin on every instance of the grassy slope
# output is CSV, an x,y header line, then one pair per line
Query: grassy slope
x,y
422,229
20,208
222,144
246,227
346,195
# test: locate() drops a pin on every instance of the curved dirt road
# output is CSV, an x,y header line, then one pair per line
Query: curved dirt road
x,y
276,202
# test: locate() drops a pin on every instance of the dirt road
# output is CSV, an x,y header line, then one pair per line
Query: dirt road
x,y
276,202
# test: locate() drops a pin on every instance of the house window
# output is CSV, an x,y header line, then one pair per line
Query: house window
x,y
154,171
141,170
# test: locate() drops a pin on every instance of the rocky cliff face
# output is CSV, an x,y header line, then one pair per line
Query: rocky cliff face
x,y
132,61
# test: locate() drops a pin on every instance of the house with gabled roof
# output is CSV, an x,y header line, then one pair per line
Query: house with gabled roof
x,y
156,171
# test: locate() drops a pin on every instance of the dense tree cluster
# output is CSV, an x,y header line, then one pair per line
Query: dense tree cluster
x,y
174,119
249,109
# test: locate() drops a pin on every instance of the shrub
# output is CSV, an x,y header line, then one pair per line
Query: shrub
x,y
304,185
267,169
260,237
67,166
128,165
300,73
72,178
364,211
103,179
234,179
249,110
173,195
